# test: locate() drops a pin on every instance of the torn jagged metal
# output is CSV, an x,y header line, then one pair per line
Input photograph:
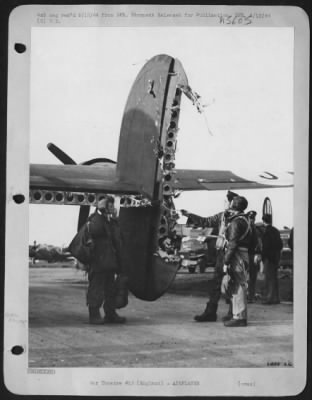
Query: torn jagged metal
x,y
150,89
197,102
193,96
167,249
134,201
157,148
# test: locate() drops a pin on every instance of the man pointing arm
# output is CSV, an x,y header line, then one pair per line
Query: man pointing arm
x,y
217,221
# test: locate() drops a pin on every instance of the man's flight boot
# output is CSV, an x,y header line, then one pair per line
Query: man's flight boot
x,y
113,318
233,323
209,315
229,315
95,316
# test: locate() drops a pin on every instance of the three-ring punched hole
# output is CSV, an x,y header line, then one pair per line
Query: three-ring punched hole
x,y
17,350
19,48
19,198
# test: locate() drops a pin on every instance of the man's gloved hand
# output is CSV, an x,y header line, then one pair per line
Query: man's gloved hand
x,y
226,268
185,213
261,267
257,259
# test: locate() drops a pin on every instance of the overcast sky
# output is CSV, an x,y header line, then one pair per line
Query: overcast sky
x,y
81,77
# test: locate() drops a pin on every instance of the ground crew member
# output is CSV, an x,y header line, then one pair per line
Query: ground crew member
x,y
236,259
254,253
217,221
105,263
271,250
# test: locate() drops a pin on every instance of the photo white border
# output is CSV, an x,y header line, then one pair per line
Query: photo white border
x,y
76,381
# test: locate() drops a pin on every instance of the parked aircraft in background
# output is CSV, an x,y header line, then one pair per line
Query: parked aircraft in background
x,y
144,176
48,253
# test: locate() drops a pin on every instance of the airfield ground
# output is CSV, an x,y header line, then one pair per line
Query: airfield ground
x,y
157,334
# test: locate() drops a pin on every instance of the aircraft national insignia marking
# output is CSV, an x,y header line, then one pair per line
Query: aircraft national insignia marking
x,y
268,176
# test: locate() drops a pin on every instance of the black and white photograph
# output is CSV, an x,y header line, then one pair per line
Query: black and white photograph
x,y
152,215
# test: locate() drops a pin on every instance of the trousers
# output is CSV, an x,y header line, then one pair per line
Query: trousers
x,y
101,290
237,289
215,292
253,273
271,287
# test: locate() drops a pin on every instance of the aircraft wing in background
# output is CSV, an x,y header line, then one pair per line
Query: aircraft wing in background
x,y
186,179
103,179
78,178
46,180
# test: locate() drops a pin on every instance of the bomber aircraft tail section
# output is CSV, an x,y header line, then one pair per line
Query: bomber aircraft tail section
x,y
146,156
144,176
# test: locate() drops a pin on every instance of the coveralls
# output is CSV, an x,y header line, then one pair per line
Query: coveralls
x,y
238,235
254,248
271,249
105,262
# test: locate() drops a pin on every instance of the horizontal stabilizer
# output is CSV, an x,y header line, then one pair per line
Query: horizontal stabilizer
x,y
79,178
225,180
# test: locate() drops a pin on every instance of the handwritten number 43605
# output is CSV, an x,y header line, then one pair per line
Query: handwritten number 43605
x,y
235,20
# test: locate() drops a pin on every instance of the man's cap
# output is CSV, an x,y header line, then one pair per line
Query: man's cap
x,y
239,203
102,203
267,218
230,195
252,214
110,199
